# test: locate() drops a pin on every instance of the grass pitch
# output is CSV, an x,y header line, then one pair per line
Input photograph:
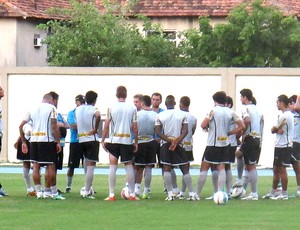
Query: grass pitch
x,y
21,212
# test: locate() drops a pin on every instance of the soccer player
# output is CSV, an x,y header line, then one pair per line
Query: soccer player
x,y
188,140
75,151
172,127
121,120
252,136
88,120
284,131
44,144
145,157
218,124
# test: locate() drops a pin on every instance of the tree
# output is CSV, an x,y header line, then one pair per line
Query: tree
x,y
254,36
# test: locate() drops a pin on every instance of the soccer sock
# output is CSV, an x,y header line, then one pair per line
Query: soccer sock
x,y
147,179
188,181
201,181
112,179
174,180
89,176
38,188
53,190
27,178
69,181
183,187
228,181
137,188
215,178
253,180
240,167
168,181
246,179
130,179
221,179
298,188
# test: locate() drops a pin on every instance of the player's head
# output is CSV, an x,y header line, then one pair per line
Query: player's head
x,y
80,99
121,92
184,102
146,101
246,95
170,102
91,97
220,97
229,102
156,99
55,97
137,101
282,100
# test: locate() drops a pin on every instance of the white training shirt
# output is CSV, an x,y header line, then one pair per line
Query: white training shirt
x,y
219,125
286,138
296,127
254,129
122,116
41,122
171,121
188,140
146,125
85,117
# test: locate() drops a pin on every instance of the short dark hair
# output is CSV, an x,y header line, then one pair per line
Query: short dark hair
x,y
91,97
247,93
185,100
170,101
157,94
220,97
293,99
54,95
80,98
146,100
283,98
229,101
121,92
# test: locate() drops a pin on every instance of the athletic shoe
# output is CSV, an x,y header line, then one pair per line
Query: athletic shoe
x,y
180,196
58,197
268,196
40,195
32,193
250,197
280,197
170,198
195,197
68,190
133,198
145,196
2,193
47,195
210,198
110,198
90,197
60,192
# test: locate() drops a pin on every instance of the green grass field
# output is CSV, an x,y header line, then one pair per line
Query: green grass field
x,y
21,212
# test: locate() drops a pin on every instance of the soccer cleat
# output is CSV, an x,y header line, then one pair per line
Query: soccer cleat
x,y
210,198
280,197
145,196
32,193
250,197
90,197
68,190
180,196
58,197
40,195
268,196
47,195
60,192
170,198
110,198
133,198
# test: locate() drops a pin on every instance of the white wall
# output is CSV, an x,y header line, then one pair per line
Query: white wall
x,y
8,42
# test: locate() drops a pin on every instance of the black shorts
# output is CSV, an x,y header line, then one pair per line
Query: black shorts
x,y
23,156
158,153
282,156
173,158
121,150
43,152
251,150
75,155
60,159
231,154
216,155
296,152
146,154
190,155
90,150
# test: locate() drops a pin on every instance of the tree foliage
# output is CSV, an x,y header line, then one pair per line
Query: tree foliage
x,y
253,36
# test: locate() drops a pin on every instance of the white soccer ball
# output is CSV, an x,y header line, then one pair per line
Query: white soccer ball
x,y
238,192
125,193
220,197
82,191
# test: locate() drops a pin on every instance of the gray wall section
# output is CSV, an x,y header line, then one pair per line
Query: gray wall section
x,y
27,54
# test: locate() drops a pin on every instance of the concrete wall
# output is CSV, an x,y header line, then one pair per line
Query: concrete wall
x,y
8,28
24,88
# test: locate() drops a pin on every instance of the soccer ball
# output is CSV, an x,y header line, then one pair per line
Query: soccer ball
x,y
238,192
125,193
220,197
82,191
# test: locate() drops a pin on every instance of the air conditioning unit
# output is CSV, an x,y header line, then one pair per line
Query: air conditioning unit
x,y
37,42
